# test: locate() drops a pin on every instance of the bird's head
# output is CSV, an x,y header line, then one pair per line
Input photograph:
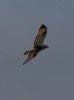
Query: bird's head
x,y
44,47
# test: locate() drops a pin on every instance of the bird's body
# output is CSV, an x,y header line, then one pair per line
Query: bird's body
x,y
38,44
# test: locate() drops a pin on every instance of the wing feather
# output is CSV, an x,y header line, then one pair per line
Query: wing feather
x,y
41,36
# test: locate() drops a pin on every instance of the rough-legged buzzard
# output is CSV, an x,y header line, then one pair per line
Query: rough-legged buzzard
x,y
38,43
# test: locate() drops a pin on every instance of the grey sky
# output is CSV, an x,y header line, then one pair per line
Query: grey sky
x,y
53,69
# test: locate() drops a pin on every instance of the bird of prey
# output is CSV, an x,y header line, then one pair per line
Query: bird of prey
x,y
38,44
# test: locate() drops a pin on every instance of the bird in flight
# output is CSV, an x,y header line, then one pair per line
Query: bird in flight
x,y
38,44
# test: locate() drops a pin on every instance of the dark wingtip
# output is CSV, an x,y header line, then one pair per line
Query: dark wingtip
x,y
25,62
42,26
26,52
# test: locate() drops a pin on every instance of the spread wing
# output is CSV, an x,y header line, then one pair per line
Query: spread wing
x,y
41,36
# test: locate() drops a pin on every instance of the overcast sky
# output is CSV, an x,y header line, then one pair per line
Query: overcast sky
x,y
50,76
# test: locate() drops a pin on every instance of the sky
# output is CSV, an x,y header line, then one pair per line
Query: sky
x,y
51,74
